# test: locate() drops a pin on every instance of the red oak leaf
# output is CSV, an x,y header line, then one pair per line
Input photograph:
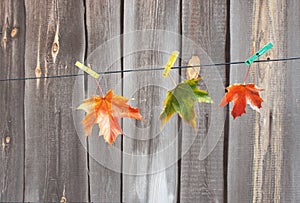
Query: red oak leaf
x,y
240,95
106,111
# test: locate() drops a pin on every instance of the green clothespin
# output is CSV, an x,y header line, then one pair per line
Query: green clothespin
x,y
258,54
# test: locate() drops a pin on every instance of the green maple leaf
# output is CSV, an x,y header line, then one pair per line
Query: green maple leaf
x,y
182,100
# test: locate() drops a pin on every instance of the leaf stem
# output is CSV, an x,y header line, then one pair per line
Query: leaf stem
x,y
99,87
247,74
172,79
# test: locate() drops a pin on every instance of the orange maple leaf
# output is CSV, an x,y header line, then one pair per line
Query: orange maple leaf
x,y
106,111
240,95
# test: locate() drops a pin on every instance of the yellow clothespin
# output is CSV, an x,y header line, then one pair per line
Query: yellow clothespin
x,y
87,70
170,63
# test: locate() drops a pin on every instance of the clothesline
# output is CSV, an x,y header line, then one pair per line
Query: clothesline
x,y
148,69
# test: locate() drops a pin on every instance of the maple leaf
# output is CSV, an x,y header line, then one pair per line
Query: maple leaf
x,y
106,111
181,100
240,95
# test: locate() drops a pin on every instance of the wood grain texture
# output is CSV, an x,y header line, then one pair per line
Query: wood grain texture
x,y
104,54
149,153
204,35
12,15
291,141
240,145
42,154
54,157
261,144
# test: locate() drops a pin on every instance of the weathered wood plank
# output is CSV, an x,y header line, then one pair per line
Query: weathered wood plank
x,y
149,153
204,23
104,54
240,152
291,142
262,146
54,156
12,23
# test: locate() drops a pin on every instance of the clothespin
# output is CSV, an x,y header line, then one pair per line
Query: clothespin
x,y
87,70
258,54
170,63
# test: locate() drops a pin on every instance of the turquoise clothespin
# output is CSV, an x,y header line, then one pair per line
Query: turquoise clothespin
x,y
258,54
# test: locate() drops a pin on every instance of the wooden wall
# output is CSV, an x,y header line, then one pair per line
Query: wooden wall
x,y
44,154
262,165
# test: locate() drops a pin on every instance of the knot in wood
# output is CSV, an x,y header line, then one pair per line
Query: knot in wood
x,y
4,39
14,32
55,47
7,139
63,199
38,71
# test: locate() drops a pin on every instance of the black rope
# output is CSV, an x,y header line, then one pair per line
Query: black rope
x,y
42,77
151,69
